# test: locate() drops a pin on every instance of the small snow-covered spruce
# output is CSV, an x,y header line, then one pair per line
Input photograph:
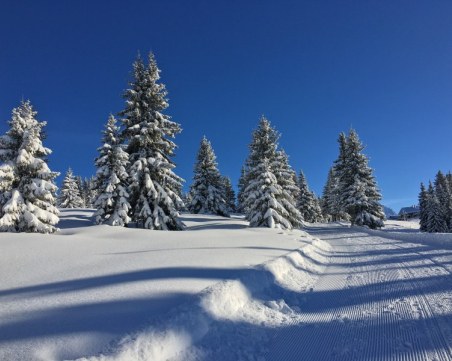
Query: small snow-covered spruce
x,y
444,197
229,194
87,190
267,203
111,179
423,199
436,222
207,191
27,188
153,186
307,202
69,196
90,191
317,211
79,182
360,196
241,191
327,196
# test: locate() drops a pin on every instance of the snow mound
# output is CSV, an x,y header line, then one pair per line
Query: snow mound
x,y
222,322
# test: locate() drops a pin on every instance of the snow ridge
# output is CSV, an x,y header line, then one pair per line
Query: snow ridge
x,y
217,324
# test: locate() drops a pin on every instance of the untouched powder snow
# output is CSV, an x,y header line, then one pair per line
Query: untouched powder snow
x,y
71,294
231,320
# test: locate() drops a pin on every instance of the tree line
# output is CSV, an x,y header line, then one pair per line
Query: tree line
x,y
135,182
435,205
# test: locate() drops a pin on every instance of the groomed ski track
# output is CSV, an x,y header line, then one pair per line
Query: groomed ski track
x,y
379,299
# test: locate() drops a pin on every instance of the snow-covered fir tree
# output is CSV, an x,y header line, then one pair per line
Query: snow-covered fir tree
x,y
111,179
436,222
27,187
331,203
148,134
229,194
423,216
360,196
318,215
307,202
444,197
90,191
327,196
69,196
436,205
285,175
207,191
267,203
241,191
80,186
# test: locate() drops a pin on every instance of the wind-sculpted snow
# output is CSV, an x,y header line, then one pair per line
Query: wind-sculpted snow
x,y
71,294
221,323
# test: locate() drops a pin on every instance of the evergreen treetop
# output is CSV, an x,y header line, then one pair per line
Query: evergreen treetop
x,y
27,188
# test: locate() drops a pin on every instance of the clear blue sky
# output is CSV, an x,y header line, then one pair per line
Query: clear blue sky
x,y
314,68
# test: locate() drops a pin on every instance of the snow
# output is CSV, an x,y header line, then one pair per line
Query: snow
x,y
222,291
70,294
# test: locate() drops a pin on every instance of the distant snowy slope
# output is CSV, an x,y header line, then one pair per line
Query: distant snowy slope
x,y
389,212
69,295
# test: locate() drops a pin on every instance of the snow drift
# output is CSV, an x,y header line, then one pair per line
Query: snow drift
x,y
192,331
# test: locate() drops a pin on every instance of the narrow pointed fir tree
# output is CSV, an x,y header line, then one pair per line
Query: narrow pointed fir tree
x,y
207,191
267,203
444,198
327,196
285,175
317,211
307,202
241,191
80,184
27,187
331,207
111,179
436,222
69,196
148,134
90,191
229,194
360,195
423,199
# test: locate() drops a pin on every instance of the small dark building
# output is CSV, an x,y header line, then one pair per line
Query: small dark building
x,y
409,213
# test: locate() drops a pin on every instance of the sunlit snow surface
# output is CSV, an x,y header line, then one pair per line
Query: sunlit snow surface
x,y
222,291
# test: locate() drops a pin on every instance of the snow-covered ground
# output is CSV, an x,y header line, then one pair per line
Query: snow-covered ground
x,y
70,294
222,291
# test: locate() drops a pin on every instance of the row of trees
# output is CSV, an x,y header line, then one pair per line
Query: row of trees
x,y
135,181
435,205
77,192
269,192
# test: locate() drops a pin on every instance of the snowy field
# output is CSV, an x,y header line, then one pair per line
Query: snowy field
x,y
222,291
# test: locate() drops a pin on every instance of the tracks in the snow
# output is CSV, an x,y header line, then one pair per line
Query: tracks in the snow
x,y
379,299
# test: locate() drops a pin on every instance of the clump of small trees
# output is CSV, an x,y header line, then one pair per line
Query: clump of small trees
x,y
435,203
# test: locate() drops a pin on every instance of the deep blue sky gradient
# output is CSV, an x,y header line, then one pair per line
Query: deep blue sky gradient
x,y
314,68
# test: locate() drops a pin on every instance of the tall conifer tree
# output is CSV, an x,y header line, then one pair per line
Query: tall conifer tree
x,y
27,185
148,134
423,200
207,191
267,203
111,179
359,193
